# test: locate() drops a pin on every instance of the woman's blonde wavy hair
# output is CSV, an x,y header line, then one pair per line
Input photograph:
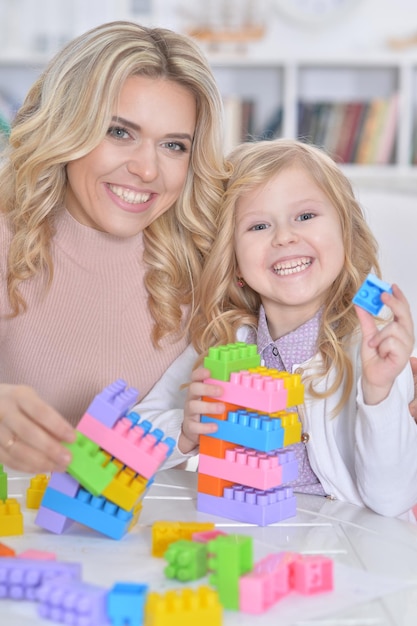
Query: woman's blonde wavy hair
x,y
67,113
224,306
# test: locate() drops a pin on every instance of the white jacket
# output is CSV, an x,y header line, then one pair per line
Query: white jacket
x,y
366,455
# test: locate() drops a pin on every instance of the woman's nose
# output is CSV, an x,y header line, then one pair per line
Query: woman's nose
x,y
143,162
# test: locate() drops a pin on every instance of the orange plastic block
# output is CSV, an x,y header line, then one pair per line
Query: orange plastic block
x,y
35,491
183,607
6,550
292,383
11,518
212,485
228,407
164,533
215,447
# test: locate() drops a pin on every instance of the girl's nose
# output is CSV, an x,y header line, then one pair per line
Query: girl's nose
x,y
284,235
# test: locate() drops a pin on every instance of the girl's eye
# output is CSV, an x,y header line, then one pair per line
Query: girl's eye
x,y
175,146
305,216
118,132
259,227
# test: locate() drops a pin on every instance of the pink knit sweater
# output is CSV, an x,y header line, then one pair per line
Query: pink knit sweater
x,y
90,328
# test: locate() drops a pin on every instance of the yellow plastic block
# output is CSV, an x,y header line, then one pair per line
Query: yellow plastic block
x,y
126,489
165,533
291,424
11,518
35,491
136,513
184,607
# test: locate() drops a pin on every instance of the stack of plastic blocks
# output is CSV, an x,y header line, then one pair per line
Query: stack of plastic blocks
x,y
114,459
245,465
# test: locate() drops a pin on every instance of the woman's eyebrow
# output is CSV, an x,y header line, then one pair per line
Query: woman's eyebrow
x,y
124,122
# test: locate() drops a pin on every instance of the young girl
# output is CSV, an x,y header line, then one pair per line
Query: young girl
x,y
292,249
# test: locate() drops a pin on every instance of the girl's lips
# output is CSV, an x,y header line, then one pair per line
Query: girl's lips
x,y
292,266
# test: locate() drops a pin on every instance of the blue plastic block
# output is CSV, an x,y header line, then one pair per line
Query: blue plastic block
x,y
93,511
113,402
248,429
126,603
369,295
73,602
21,579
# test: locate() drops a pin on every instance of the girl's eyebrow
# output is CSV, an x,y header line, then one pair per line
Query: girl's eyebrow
x,y
124,122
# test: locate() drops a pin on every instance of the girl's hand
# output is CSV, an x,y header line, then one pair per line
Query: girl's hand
x,y
31,432
192,428
385,351
413,404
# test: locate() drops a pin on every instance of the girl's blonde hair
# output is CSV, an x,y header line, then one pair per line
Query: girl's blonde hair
x,y
224,306
67,113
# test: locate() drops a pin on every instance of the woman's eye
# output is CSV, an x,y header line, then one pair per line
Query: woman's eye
x,y
118,132
259,227
175,146
305,216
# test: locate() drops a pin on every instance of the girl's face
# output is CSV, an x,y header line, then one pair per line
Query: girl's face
x,y
138,171
289,247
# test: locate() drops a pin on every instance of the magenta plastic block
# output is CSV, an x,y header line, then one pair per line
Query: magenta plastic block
x,y
247,429
126,603
267,583
252,506
312,574
72,602
93,511
253,391
20,579
52,521
133,444
113,402
205,536
262,470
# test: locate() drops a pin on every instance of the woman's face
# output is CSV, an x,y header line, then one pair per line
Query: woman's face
x,y
138,171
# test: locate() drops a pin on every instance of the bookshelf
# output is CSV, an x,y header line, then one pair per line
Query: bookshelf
x,y
267,96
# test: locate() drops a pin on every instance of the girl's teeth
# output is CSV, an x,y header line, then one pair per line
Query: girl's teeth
x,y
130,196
299,266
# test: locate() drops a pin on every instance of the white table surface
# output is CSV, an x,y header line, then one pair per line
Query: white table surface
x,y
375,557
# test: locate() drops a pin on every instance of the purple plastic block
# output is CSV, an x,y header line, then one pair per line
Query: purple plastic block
x,y
125,604
52,521
289,465
64,483
73,602
113,402
20,579
252,506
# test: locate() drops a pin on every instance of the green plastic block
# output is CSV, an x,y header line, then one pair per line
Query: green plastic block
x,y
229,558
187,560
3,484
233,357
89,465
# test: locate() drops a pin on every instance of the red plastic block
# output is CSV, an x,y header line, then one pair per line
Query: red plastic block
x,y
312,574
73,602
253,391
233,357
131,443
252,506
268,582
20,579
113,403
164,533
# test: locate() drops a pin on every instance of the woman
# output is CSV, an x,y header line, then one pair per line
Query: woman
x,y
108,187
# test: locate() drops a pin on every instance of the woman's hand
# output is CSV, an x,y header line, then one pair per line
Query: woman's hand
x,y
192,428
31,432
385,351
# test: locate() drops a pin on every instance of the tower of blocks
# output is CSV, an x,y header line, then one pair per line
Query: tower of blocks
x,y
245,466
114,459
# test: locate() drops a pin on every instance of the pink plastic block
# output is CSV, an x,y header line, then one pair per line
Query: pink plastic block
x,y
113,402
253,391
262,470
268,582
130,443
208,535
312,574
39,555
73,602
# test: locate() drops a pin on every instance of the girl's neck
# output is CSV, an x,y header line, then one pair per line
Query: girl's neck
x,y
285,321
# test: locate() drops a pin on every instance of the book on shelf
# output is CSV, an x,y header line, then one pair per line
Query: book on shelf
x,y
384,151
238,121
350,128
372,128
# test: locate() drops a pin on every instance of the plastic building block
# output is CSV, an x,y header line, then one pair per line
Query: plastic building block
x,y
291,424
184,607
65,483
252,506
52,521
126,604
250,430
6,551
93,511
134,444
113,403
266,584
3,484
247,467
211,484
229,558
35,491
253,391
215,447
208,535
89,465
233,357
187,560
164,533
227,407
73,602
368,296
312,574
11,518
292,383
127,488
20,579
38,555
